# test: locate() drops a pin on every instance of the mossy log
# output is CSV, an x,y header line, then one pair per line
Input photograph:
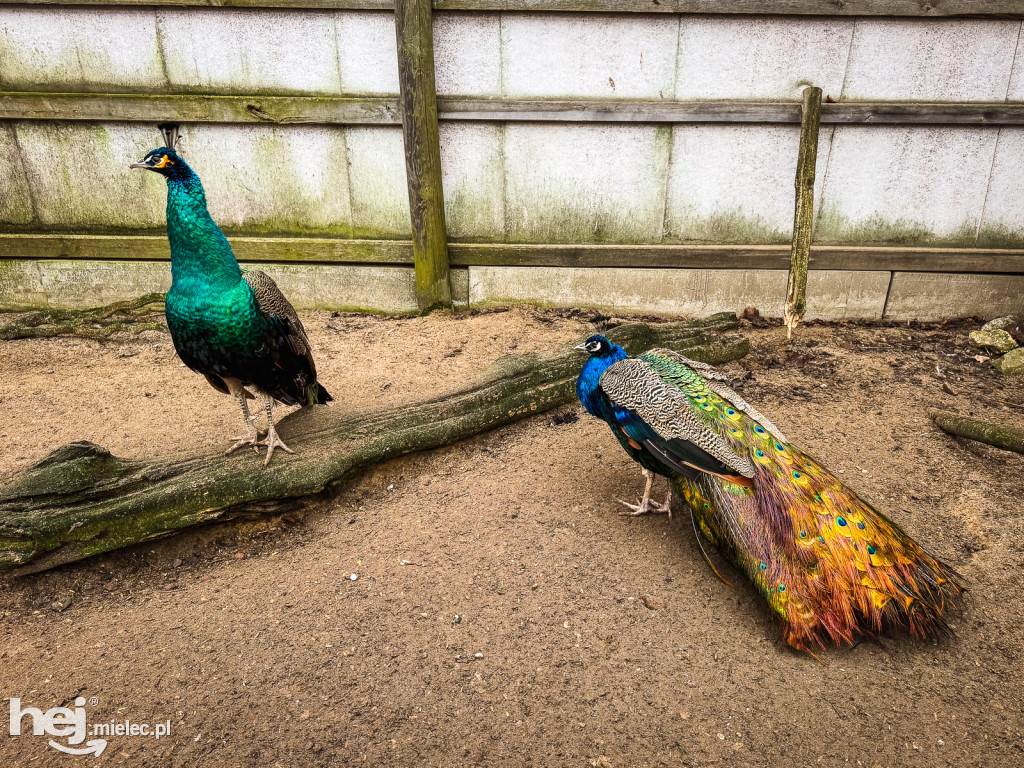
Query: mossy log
x,y
81,500
998,435
132,316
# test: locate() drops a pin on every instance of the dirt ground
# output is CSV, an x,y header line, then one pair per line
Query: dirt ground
x,y
503,612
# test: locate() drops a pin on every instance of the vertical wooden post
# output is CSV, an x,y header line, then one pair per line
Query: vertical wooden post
x,y
803,218
418,100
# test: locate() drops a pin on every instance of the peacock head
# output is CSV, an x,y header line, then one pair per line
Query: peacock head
x,y
598,346
165,160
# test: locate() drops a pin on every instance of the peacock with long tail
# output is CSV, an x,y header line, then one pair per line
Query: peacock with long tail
x,y
833,567
234,327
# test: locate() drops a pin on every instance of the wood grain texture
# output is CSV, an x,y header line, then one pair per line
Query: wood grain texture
x,y
314,250
200,108
918,8
414,28
803,217
385,110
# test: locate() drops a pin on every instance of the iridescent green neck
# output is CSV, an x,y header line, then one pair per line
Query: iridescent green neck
x,y
200,254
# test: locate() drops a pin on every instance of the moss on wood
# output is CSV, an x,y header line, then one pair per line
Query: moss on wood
x,y
132,316
998,435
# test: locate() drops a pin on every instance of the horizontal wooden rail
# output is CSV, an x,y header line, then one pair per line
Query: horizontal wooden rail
x,y
919,8
340,251
383,110
192,108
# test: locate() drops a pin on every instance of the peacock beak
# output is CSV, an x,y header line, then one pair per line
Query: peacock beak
x,y
581,346
140,164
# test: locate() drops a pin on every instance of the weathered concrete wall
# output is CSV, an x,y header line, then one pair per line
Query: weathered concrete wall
x,y
79,283
832,295
543,182
533,182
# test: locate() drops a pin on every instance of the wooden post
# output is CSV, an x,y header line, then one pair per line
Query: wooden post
x,y
418,101
803,218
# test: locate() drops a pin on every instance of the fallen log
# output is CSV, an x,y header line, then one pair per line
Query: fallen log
x,y
81,500
998,435
133,316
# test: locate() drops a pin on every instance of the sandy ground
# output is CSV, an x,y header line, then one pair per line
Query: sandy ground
x,y
503,612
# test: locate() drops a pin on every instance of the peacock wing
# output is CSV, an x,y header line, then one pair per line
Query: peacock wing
x,y
678,369
661,417
272,302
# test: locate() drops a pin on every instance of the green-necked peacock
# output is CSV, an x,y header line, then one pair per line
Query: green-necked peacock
x,y
828,563
236,328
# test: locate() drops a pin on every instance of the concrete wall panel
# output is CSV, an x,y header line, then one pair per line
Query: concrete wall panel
x,y
79,177
353,288
734,183
1002,223
472,169
1016,90
467,54
830,295
15,199
271,179
379,194
905,185
625,56
768,57
79,49
585,183
367,52
77,284
931,60
933,296
250,50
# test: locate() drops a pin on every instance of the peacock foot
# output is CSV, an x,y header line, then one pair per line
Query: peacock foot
x,y
250,438
646,507
273,441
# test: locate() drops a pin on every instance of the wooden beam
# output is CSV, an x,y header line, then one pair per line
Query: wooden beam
x,y
803,216
385,110
415,31
199,108
914,8
315,250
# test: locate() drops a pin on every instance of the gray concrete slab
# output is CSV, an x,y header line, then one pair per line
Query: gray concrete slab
x,y
760,57
830,295
934,296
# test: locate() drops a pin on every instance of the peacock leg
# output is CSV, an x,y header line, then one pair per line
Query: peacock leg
x,y
272,439
646,505
251,435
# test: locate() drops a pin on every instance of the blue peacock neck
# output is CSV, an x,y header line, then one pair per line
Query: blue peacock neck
x,y
201,257
590,378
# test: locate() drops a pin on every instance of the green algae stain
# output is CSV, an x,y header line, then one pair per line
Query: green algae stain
x,y
834,227
728,227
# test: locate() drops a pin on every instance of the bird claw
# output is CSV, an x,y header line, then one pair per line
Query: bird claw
x,y
250,439
272,441
662,509
646,507
638,509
